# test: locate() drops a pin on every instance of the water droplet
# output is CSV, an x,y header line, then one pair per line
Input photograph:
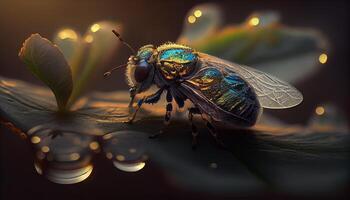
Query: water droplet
x,y
129,167
120,147
62,157
64,176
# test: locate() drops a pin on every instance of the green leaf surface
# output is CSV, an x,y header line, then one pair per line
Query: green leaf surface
x,y
64,145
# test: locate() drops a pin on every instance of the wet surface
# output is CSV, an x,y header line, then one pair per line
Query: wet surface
x,y
255,160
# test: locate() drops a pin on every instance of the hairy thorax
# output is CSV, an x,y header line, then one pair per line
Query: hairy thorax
x,y
175,61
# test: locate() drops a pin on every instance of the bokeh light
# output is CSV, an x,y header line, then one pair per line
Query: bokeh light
x,y
120,157
323,58
89,38
94,145
74,156
35,139
320,110
45,149
197,13
67,34
191,19
95,27
109,155
254,21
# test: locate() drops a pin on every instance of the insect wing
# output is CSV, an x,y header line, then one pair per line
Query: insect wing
x,y
272,92
223,96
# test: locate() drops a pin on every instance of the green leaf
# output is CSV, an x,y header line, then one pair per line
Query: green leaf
x,y
48,64
64,145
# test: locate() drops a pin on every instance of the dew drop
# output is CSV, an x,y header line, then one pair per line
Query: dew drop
x,y
64,176
129,167
64,158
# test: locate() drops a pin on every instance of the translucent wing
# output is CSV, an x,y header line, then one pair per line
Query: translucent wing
x,y
272,92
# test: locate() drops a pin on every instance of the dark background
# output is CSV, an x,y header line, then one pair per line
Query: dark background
x,y
151,22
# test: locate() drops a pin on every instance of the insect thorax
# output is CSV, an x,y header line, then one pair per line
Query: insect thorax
x,y
176,61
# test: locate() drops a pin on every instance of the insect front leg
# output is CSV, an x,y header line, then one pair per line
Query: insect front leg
x,y
153,98
167,116
139,104
191,112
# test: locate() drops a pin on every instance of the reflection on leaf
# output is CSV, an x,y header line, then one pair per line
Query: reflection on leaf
x,y
64,146
261,42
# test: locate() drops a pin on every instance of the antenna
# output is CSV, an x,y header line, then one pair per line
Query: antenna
x,y
125,43
109,72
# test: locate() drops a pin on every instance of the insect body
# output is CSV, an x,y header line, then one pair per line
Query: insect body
x,y
224,93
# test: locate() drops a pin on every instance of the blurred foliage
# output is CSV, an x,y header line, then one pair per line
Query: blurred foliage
x,y
261,41
86,54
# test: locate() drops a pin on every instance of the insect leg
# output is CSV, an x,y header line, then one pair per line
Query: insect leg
x,y
132,96
195,132
139,104
153,98
215,135
169,108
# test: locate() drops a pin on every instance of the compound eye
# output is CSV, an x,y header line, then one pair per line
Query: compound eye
x,y
142,71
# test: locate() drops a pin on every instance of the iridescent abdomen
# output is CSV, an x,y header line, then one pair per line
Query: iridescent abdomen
x,y
229,92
